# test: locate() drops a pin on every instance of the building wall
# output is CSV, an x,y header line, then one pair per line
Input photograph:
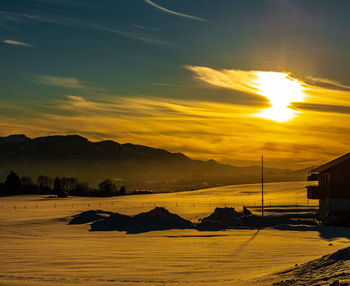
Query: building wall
x,y
334,184
322,209
331,207
339,205
336,181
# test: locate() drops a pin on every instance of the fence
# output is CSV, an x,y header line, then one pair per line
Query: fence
x,y
120,205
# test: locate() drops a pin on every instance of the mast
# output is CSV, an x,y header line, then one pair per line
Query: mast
x,y
262,185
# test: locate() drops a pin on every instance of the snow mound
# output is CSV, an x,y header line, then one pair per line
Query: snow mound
x,y
89,216
161,217
156,219
332,269
115,221
225,218
343,254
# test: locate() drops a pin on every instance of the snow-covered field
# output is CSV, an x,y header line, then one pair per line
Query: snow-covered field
x,y
38,247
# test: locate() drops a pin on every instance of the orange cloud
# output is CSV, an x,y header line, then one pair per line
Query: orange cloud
x,y
201,129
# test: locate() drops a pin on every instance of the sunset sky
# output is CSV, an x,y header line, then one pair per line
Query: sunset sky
x,y
213,79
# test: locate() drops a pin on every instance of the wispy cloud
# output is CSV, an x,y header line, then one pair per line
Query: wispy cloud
x,y
329,82
200,129
66,21
140,37
145,27
174,12
334,95
167,84
17,43
321,107
67,82
227,78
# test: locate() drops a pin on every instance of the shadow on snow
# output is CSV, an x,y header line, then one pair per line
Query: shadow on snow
x,y
221,219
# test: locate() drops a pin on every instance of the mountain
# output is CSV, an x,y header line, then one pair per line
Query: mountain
x,y
133,165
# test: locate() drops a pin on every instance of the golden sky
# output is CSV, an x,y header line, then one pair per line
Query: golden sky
x,y
223,80
298,122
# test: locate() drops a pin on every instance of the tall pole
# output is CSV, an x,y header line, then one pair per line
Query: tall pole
x,y
262,185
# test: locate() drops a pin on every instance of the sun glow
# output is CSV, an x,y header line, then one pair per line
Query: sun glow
x,y
281,89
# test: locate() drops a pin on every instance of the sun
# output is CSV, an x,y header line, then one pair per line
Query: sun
x,y
280,89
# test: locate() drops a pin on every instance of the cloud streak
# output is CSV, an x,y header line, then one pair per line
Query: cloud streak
x,y
321,107
165,10
332,98
200,129
66,21
226,132
66,82
280,89
231,79
327,81
17,43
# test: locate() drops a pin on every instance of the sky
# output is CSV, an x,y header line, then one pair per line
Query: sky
x,y
222,80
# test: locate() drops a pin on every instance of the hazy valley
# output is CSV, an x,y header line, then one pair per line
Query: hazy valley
x,y
137,167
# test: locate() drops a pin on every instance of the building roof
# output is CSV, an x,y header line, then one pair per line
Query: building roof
x,y
331,164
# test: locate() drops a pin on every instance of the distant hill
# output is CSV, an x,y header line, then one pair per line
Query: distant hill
x,y
133,165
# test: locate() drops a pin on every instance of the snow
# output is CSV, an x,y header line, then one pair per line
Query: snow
x,y
38,246
332,269
157,219
89,216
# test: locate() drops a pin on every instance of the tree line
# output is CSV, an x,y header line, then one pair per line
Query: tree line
x,y
60,187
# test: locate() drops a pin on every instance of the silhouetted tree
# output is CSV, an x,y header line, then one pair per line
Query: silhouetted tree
x,y
57,189
50,182
43,182
28,187
122,190
107,188
81,189
13,184
69,184
57,186
26,181
73,183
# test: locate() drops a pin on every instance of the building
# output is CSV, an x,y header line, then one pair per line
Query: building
x,y
333,190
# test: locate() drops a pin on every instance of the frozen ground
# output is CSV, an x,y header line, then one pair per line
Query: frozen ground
x,y
38,246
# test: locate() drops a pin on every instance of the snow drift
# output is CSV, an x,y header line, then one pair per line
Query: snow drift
x,y
157,219
223,218
89,216
332,269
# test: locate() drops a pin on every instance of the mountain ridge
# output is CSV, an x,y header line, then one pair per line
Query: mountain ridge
x,y
137,165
